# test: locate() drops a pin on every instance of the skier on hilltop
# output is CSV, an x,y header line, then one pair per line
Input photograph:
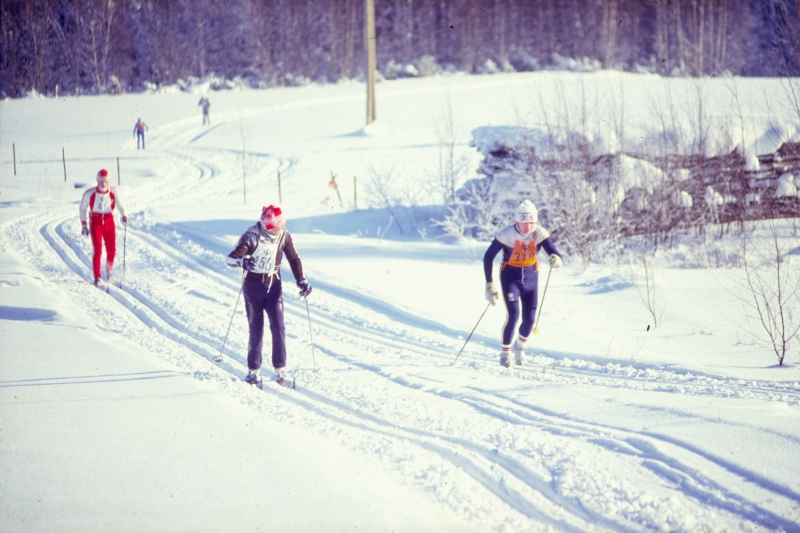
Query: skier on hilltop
x,y
259,252
205,104
138,131
519,275
100,201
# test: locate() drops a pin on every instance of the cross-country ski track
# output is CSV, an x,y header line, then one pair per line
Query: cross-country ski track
x,y
573,442
359,362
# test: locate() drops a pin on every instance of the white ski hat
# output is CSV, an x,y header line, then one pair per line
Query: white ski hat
x,y
526,212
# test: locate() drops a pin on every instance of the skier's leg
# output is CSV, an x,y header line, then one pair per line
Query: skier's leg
x,y
274,309
254,294
110,238
511,292
96,229
511,298
529,299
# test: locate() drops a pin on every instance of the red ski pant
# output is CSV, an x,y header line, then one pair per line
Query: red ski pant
x,y
103,229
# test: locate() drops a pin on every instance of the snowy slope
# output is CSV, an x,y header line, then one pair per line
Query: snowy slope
x,y
614,427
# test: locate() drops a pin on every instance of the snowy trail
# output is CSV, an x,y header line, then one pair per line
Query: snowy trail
x,y
405,369
477,438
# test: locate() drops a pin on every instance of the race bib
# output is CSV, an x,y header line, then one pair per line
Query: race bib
x,y
523,254
264,256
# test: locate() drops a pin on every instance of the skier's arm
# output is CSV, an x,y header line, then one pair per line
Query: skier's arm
x,y
488,258
293,257
244,248
85,205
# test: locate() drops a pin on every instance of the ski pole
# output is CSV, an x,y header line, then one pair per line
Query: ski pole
x,y
124,247
536,327
311,335
218,358
471,332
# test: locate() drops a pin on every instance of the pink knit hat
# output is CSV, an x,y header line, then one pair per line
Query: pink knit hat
x,y
102,175
273,217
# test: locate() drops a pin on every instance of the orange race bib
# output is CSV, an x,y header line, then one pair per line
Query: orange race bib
x,y
524,254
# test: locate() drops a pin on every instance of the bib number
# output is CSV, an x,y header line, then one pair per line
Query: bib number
x,y
524,254
264,257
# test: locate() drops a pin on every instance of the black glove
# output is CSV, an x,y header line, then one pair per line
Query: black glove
x,y
248,263
85,230
305,287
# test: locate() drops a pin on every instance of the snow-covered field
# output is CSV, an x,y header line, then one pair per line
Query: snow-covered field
x,y
114,417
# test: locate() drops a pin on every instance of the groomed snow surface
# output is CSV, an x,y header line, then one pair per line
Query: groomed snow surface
x,y
114,417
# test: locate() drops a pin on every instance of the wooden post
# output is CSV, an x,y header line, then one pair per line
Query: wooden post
x,y
355,194
371,61
280,199
64,160
118,178
14,150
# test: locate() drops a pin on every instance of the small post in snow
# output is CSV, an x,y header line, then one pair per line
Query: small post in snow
x,y
118,178
279,187
64,160
14,150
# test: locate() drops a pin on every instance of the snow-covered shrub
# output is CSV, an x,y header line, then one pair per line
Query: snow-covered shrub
x,y
771,288
392,70
410,71
114,86
488,67
786,186
428,66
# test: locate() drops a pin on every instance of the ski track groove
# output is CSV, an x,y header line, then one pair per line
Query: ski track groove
x,y
660,467
156,318
686,381
464,454
670,469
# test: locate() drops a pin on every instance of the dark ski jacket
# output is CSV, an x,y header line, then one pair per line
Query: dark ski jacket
x,y
256,235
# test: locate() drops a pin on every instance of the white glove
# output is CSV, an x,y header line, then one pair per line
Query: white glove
x,y
491,293
555,261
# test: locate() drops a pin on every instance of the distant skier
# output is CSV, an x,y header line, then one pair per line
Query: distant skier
x,y
205,105
259,252
519,276
100,201
138,131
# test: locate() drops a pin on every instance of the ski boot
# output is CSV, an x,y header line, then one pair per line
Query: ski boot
x,y
519,354
252,378
280,376
505,359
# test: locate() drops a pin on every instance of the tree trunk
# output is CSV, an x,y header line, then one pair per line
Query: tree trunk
x,y
679,31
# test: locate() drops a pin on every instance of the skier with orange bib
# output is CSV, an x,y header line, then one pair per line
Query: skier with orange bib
x,y
519,276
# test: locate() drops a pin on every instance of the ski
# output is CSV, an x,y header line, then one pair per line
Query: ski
x,y
258,383
284,383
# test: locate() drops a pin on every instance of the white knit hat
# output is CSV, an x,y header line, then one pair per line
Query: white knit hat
x,y
526,212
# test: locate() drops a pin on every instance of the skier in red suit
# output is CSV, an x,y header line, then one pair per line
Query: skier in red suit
x,y
100,201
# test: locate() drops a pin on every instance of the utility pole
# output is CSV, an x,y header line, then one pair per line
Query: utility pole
x,y
372,62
